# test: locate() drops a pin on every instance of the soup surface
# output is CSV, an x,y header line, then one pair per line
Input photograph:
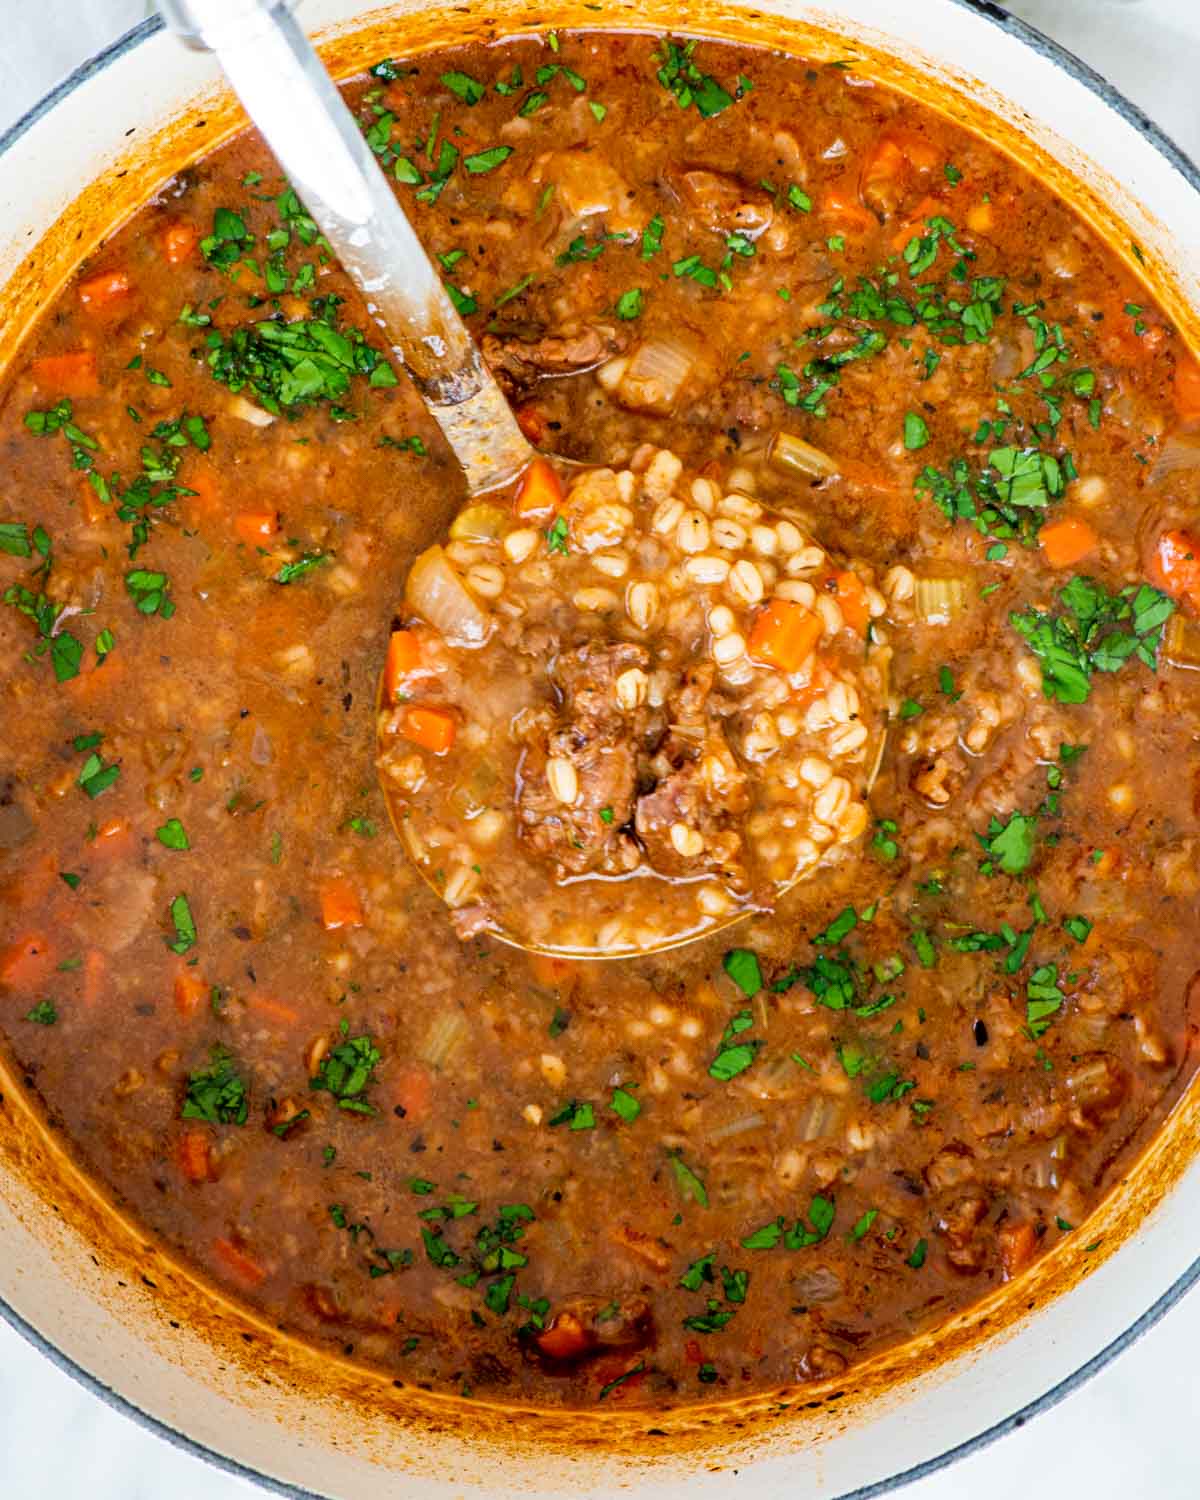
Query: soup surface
x,y
753,1161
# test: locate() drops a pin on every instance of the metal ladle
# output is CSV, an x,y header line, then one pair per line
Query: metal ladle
x,y
283,85
290,97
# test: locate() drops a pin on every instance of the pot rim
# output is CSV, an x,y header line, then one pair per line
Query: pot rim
x,y
1082,72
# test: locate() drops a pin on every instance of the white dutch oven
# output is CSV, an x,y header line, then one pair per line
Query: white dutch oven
x,y
82,1282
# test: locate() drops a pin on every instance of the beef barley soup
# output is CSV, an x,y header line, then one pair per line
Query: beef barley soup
x,y
939,453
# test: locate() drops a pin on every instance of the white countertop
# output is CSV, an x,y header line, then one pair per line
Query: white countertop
x,y
1124,1436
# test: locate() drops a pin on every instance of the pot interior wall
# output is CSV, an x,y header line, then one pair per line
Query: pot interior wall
x,y
148,1328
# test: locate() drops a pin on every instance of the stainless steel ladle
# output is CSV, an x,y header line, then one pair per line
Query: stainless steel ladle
x,y
276,73
286,91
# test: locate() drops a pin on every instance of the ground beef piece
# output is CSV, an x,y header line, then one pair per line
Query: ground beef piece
x,y
598,739
1096,1085
964,1250
820,1362
723,203
687,798
693,780
519,363
586,1326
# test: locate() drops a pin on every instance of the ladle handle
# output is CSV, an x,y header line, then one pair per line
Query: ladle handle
x,y
286,91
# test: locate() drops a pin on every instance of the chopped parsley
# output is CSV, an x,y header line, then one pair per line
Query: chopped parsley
x,y
172,835
347,1071
487,161
96,777
743,968
216,1093
690,1186
1011,845
148,590
687,85
734,1056
1094,632
1044,999
629,304
578,1115
468,89
288,366
184,924
289,572
624,1105
820,1221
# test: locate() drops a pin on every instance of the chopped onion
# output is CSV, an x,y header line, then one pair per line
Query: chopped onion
x,y
819,1284
438,595
656,374
476,790
737,1127
820,1118
260,747
940,600
1180,452
612,372
479,523
1181,643
792,455
246,411
443,1039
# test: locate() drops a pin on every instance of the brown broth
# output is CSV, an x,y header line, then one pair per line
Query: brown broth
x,y
248,715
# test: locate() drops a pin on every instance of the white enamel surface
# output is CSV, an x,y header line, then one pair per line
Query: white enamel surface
x,y
36,178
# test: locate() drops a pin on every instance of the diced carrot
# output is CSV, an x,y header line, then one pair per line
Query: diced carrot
x,y
643,1246
608,1370
411,1091
784,635
205,500
275,1009
340,904
431,728
403,659
532,422
919,151
566,1338
254,527
540,491
1175,567
1105,863
840,202
1017,1243
191,992
24,963
74,374
105,294
914,223
239,1265
889,169
554,972
178,242
981,218
95,676
851,595
885,163
1065,542
94,509
1186,388
195,1155
113,836
95,972
693,1353
387,1313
